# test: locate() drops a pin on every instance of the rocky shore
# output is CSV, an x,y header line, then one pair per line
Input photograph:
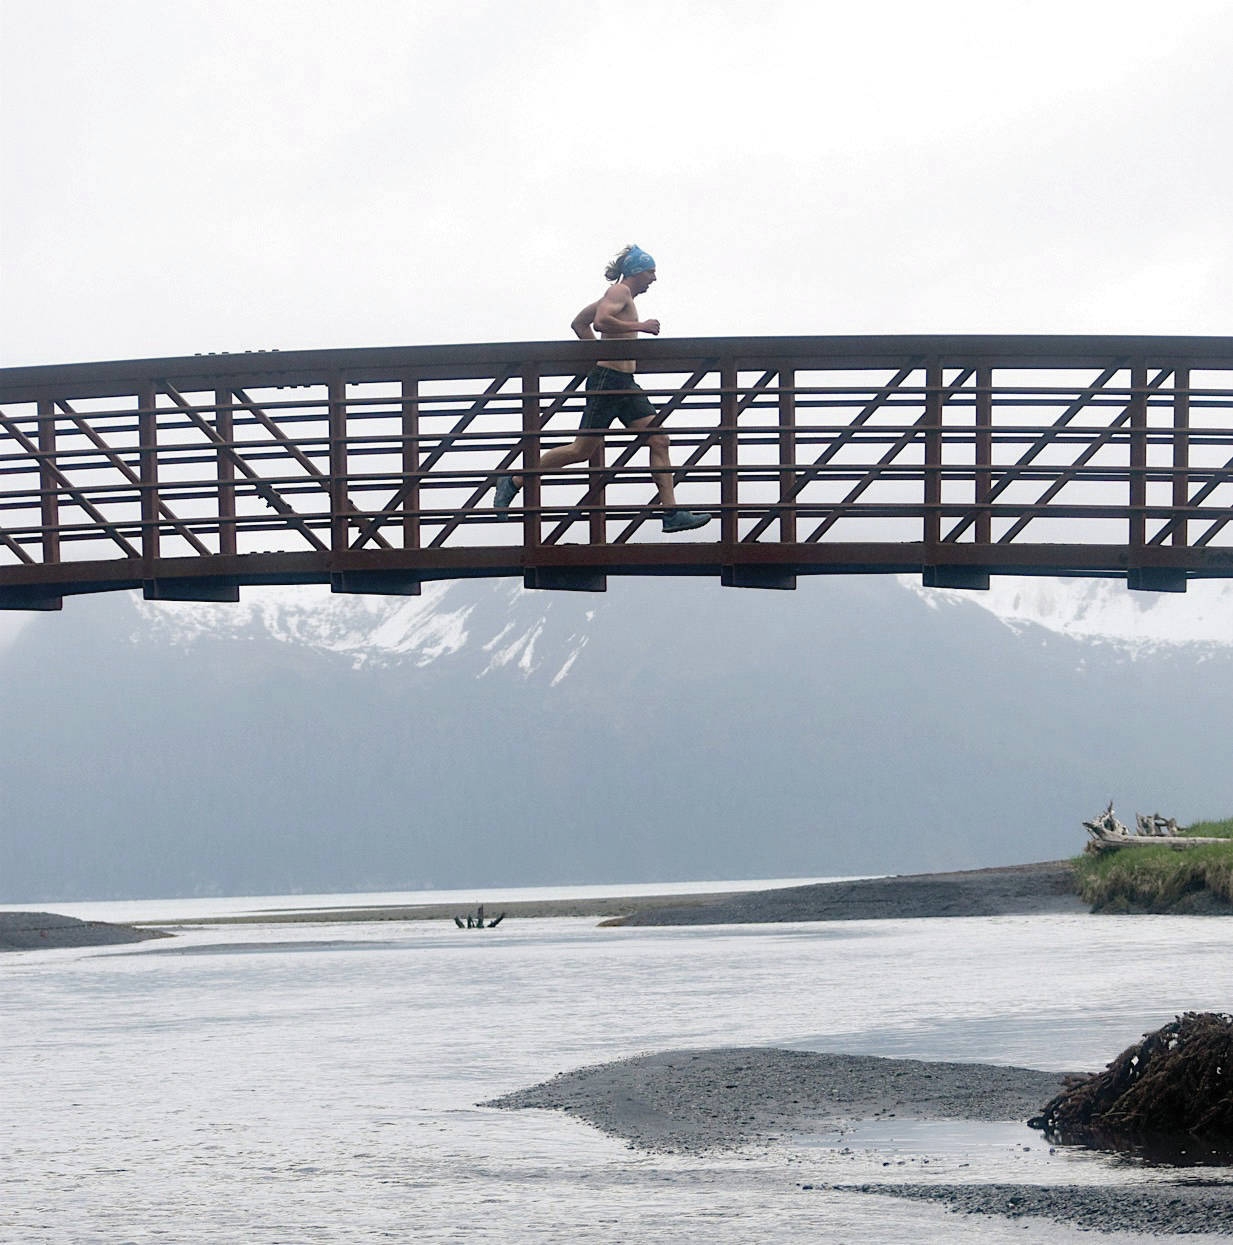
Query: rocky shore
x,y
35,931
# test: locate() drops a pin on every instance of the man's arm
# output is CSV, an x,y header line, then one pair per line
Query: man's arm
x,y
581,323
614,313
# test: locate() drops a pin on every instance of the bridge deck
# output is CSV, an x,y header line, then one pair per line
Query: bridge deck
x,y
372,470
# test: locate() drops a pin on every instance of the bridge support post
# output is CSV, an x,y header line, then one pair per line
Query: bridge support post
x,y
50,497
224,427
1156,579
1181,454
531,483
756,576
565,578
984,455
147,441
378,583
973,577
1138,456
20,597
210,588
728,453
787,457
411,462
933,453
339,525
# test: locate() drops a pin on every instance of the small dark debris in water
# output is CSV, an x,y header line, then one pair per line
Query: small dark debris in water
x,y
1168,1098
477,921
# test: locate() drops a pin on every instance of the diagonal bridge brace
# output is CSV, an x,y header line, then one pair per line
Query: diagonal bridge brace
x,y
1037,448
113,457
266,492
812,472
371,529
901,443
66,484
1197,499
1071,472
507,461
314,472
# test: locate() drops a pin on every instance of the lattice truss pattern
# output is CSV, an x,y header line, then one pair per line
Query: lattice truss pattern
x,y
1126,454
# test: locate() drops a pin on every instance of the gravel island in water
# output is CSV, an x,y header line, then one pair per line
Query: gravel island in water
x,y
41,931
691,1101
694,1100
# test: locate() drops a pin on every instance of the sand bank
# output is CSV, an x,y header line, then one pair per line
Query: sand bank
x,y
604,906
32,931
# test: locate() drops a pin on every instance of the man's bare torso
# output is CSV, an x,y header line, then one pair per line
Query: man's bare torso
x,y
628,312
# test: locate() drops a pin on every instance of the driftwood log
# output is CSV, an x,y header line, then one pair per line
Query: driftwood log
x,y
477,921
1110,834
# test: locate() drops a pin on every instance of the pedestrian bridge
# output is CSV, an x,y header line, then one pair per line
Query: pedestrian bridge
x,y
953,457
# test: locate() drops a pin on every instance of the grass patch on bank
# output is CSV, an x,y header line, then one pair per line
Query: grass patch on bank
x,y
1210,829
1160,879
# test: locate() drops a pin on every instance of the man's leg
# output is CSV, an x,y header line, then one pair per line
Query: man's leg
x,y
577,451
675,520
661,462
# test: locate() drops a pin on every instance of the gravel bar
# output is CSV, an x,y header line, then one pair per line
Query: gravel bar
x,y
696,1100
1010,890
41,931
1181,1208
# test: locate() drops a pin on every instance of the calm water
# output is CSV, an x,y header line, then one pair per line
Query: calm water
x,y
316,1083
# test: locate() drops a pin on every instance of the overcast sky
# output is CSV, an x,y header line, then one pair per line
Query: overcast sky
x,y
211,175
217,175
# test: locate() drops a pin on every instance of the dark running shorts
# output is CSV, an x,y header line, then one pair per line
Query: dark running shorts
x,y
629,406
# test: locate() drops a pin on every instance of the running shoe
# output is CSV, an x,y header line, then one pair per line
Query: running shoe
x,y
684,520
505,493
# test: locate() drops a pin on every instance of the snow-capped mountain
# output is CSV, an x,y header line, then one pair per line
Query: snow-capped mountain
x,y
666,729
544,633
532,633
1103,609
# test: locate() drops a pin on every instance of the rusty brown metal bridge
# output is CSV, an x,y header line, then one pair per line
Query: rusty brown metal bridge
x,y
955,457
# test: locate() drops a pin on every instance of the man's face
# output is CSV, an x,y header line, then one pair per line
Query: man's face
x,y
640,282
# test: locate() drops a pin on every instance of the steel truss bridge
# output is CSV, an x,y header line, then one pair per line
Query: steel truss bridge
x,y
955,457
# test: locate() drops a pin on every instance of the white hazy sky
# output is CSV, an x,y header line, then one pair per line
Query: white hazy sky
x,y
196,175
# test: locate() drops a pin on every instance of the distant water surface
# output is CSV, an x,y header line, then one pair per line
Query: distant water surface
x,y
127,911
317,1083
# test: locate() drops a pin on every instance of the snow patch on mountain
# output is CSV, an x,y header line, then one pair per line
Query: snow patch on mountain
x,y
1102,609
448,618
363,628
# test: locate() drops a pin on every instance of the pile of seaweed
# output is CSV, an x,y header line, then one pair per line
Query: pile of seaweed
x,y
1169,1096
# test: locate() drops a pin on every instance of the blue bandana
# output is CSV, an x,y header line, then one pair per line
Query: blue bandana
x,y
635,262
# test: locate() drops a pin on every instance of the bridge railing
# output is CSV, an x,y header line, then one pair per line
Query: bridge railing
x,y
958,457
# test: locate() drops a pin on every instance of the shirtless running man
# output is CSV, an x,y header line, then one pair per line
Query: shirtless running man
x,y
612,392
